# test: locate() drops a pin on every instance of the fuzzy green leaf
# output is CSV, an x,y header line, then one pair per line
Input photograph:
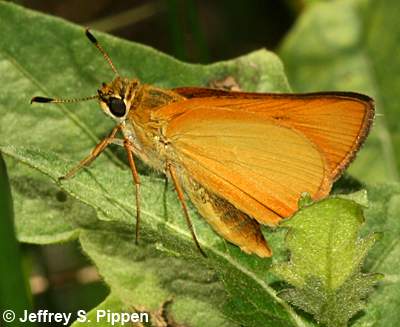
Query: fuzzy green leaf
x,y
144,280
382,216
95,316
325,260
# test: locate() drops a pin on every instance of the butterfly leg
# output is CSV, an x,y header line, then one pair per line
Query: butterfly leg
x,y
129,151
99,148
181,198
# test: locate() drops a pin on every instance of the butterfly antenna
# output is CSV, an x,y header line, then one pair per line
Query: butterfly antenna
x,y
52,100
92,39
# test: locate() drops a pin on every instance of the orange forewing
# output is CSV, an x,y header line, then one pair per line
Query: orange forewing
x,y
338,122
261,151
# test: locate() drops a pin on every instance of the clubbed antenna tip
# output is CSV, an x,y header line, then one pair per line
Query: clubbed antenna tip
x,y
92,39
41,100
90,36
52,100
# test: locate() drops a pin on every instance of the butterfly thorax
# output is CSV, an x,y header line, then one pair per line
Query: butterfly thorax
x,y
132,105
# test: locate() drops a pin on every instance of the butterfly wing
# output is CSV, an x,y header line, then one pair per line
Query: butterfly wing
x,y
337,122
260,152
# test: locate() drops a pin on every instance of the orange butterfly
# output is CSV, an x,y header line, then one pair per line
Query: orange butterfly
x,y
242,158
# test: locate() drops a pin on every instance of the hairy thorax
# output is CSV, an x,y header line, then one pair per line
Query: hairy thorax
x,y
145,132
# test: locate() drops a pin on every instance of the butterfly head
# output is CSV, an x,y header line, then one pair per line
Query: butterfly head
x,y
116,98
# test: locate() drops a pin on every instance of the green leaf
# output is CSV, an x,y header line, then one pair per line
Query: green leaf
x,y
49,57
325,260
352,45
382,215
144,280
92,318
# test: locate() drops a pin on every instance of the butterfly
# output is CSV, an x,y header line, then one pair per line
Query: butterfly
x,y
243,159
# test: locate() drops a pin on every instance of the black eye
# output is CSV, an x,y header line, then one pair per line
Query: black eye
x,y
117,107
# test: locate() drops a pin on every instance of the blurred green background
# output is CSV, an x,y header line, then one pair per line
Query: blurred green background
x,y
193,31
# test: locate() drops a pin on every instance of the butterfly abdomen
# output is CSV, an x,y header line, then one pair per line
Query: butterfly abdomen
x,y
229,222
